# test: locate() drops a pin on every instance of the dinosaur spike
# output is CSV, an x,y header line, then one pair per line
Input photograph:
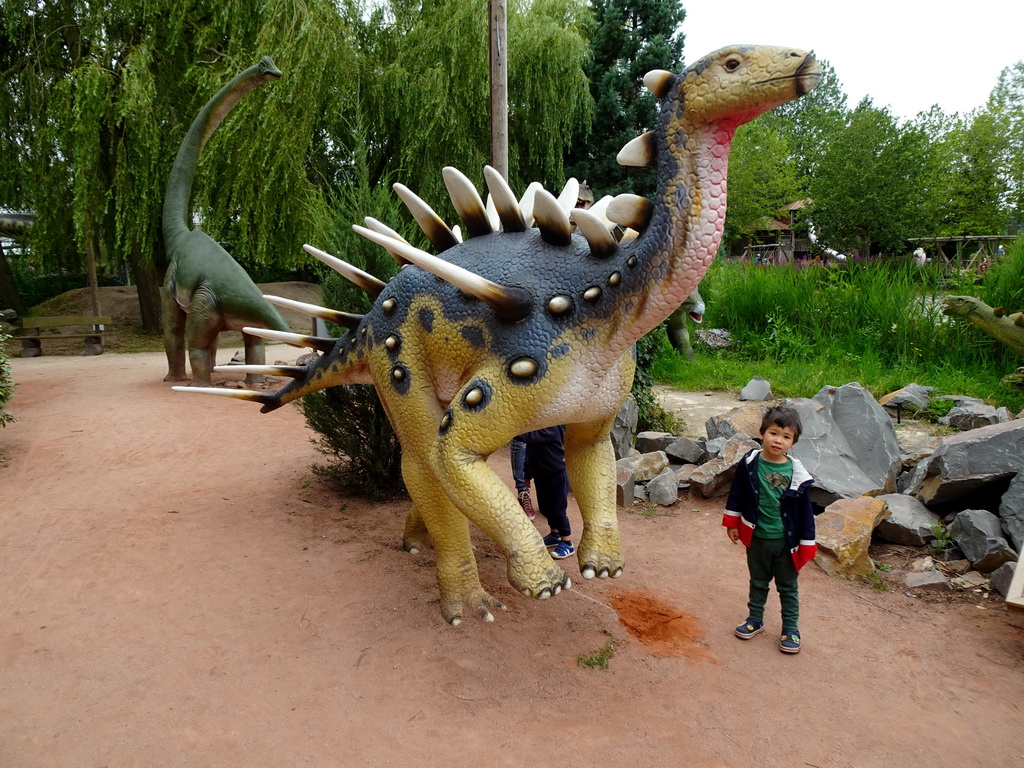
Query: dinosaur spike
x,y
457,231
290,371
509,303
467,202
658,81
600,210
638,152
293,339
437,232
1018,318
630,211
551,218
364,280
344,319
602,244
998,311
384,229
492,213
504,201
264,398
526,202
569,195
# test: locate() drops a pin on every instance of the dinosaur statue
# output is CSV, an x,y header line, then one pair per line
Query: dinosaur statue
x,y
524,328
678,333
1008,329
206,292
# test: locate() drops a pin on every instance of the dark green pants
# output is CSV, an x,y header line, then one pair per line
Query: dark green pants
x,y
769,559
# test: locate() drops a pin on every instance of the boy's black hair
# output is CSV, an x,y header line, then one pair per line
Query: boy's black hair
x,y
782,416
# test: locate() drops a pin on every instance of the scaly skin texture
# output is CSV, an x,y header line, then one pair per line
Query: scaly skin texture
x,y
549,340
1007,329
206,292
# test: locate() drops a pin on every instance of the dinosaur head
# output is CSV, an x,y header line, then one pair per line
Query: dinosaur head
x,y
736,84
962,306
267,70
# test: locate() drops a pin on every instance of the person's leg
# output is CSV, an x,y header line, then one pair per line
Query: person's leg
x,y
789,595
517,452
759,563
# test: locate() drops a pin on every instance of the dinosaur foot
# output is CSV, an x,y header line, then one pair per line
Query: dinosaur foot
x,y
551,581
175,377
479,602
595,562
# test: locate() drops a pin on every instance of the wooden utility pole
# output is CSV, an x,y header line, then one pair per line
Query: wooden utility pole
x,y
497,25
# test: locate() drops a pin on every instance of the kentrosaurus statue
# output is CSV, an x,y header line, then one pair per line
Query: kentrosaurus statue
x,y
523,328
206,292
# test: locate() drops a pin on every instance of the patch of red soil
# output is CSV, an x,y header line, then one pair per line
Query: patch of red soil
x,y
664,630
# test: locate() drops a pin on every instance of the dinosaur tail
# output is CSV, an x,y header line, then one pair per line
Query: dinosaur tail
x,y
179,182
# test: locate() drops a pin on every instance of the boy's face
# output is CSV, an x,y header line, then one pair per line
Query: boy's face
x,y
777,442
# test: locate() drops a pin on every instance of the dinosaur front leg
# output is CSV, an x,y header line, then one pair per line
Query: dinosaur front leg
x,y
201,329
416,536
590,462
174,318
457,576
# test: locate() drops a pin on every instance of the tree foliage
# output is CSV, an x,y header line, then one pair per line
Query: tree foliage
x,y
629,38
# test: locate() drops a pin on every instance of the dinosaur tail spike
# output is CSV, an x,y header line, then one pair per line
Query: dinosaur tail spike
x,y
437,232
569,195
509,303
638,152
467,202
504,201
551,218
602,243
294,339
630,211
344,319
658,82
288,371
266,399
364,280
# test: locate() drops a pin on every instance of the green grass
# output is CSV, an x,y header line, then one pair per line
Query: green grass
x,y
597,659
878,324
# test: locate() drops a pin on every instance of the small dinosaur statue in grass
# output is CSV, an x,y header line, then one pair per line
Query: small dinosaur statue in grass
x,y
1007,329
675,325
206,292
519,328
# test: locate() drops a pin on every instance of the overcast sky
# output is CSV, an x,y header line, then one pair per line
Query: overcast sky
x,y
907,54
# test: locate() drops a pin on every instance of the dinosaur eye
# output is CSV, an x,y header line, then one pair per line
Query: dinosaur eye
x,y
732,65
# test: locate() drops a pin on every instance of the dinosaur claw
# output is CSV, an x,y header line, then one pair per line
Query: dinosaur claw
x,y
455,621
603,573
486,615
616,573
558,588
544,594
587,572
413,550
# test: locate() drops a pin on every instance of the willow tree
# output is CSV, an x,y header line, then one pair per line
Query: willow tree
x,y
96,97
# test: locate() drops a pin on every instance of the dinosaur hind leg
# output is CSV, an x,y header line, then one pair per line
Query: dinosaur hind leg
x,y
590,462
457,575
255,354
201,329
174,318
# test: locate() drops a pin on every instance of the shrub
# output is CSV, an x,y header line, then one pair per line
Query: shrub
x,y
6,384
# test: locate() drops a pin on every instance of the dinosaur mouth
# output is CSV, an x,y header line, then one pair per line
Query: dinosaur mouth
x,y
805,77
697,317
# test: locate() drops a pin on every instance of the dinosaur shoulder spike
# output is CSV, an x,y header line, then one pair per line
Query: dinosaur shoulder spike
x,y
509,212
509,303
551,219
492,214
602,244
457,231
569,195
384,229
265,398
638,152
289,371
600,210
467,202
526,202
437,232
658,81
344,319
364,280
293,339
630,211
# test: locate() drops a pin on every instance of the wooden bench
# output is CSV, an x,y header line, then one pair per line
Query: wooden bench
x,y
32,333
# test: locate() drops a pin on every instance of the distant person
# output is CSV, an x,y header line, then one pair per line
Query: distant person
x,y
1000,251
920,257
545,463
769,510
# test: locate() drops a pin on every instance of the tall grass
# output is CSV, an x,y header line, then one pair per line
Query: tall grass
x,y
880,324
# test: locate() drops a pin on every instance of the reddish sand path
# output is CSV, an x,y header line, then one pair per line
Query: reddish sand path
x,y
178,590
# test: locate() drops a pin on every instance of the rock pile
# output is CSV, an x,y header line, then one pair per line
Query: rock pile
x,y
960,497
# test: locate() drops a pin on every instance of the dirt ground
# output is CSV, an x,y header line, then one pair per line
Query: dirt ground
x,y
180,590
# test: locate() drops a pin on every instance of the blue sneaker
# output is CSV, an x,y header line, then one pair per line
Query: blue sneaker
x,y
552,540
563,550
790,641
749,628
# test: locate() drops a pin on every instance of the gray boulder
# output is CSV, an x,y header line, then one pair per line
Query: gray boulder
x,y
648,442
687,450
1002,577
715,477
848,444
714,446
742,420
910,522
971,415
967,463
664,489
977,533
1011,511
914,397
757,389
646,466
624,485
931,580
624,428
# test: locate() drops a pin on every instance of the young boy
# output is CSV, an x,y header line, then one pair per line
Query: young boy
x,y
769,510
